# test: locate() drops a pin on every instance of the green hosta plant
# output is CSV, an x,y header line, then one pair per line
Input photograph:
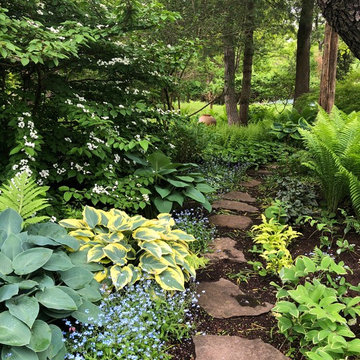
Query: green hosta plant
x,y
39,283
132,247
315,308
172,182
24,196
274,239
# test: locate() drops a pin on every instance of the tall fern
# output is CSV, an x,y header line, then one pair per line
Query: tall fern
x,y
334,146
25,196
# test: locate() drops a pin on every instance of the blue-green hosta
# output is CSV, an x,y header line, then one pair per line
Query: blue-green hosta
x,y
40,282
134,247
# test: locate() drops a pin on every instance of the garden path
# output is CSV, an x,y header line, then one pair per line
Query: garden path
x,y
223,299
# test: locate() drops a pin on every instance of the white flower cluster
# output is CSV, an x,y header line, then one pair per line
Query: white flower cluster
x,y
44,173
117,158
113,61
99,189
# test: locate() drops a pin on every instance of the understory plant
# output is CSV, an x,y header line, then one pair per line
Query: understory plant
x,y
39,283
196,223
134,247
315,308
334,146
172,182
137,323
274,239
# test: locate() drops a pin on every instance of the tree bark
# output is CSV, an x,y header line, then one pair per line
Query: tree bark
x,y
229,80
247,63
302,80
344,17
328,73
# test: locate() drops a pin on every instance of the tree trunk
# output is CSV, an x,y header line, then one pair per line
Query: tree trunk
x,y
247,63
302,81
344,17
229,81
328,73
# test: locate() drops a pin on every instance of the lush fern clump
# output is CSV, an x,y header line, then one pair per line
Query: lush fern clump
x,y
334,145
24,196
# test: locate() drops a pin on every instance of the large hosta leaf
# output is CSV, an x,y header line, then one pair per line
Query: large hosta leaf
x,y
12,246
18,353
152,248
40,336
55,298
10,221
91,216
116,253
13,332
195,194
5,265
171,279
77,277
120,276
87,313
8,291
95,254
31,260
151,264
59,261
25,308
146,234
163,205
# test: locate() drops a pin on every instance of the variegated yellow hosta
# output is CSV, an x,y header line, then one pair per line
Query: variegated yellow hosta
x,y
131,247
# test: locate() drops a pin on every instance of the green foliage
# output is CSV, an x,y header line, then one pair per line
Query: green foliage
x,y
274,239
133,247
24,196
172,182
277,212
334,146
40,282
315,308
289,131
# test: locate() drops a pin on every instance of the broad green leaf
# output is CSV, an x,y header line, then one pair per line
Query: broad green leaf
x,y
73,224
8,291
95,254
25,308
120,276
18,353
55,298
164,206
116,253
56,341
59,261
119,222
69,241
31,260
136,274
151,264
73,294
163,192
40,336
177,183
10,221
204,188
13,332
77,277
152,247
5,265
12,246
87,313
354,346
40,240
146,234
90,293
195,194
158,160
185,178
91,216
171,279
182,235
177,197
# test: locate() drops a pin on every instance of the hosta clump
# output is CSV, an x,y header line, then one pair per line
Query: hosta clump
x,y
194,222
137,323
316,309
131,247
39,282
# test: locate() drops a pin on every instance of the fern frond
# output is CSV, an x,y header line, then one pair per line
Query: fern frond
x,y
24,196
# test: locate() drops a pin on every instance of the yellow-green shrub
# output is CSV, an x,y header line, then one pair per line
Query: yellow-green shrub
x,y
134,247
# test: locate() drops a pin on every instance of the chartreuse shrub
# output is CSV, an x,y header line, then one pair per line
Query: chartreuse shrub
x,y
40,282
134,247
315,308
274,239
333,143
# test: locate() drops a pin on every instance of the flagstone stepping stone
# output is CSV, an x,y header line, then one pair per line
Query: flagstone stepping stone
x,y
222,299
251,183
264,172
234,205
238,196
224,248
213,347
231,221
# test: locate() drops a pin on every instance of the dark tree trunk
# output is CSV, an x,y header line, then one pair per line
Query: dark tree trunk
x,y
247,63
302,81
344,17
229,80
328,72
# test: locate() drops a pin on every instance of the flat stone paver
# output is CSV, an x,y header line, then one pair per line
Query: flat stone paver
x,y
231,221
251,183
224,249
213,347
234,205
239,196
222,299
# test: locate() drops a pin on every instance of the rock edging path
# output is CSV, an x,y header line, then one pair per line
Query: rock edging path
x,y
223,299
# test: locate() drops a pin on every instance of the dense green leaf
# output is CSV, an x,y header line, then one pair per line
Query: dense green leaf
x,y
55,298
31,260
25,308
13,332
